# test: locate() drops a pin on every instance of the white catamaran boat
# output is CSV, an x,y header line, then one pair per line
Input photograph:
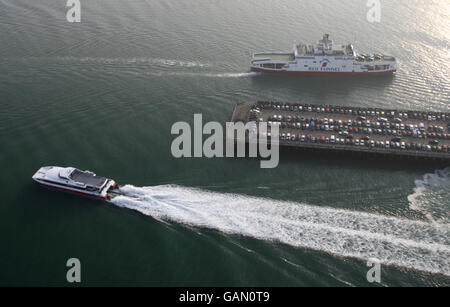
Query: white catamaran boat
x,y
72,180
324,58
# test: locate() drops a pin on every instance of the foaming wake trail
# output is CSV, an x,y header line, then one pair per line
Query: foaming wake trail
x,y
412,244
204,74
235,75
432,196
160,67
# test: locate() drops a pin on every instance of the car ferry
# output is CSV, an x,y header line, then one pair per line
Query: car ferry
x,y
324,58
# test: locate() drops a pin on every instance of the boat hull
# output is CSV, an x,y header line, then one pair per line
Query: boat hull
x,y
72,191
321,73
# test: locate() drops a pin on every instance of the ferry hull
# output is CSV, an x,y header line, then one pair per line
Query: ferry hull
x,y
322,73
74,192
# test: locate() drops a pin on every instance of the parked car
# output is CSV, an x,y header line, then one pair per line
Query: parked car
x,y
433,142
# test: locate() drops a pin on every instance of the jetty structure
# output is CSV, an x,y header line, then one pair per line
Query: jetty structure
x,y
372,131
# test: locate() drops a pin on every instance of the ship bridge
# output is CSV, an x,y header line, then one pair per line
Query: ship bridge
x,y
324,46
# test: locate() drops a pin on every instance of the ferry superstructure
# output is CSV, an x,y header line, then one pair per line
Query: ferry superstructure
x,y
324,58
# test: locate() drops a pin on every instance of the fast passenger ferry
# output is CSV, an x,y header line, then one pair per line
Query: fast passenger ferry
x,y
72,180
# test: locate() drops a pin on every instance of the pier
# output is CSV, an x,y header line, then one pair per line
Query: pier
x,y
371,131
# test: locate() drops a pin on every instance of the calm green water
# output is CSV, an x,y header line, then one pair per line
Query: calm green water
x,y
103,94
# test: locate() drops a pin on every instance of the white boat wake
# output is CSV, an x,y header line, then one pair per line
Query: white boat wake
x,y
431,196
204,74
160,67
401,242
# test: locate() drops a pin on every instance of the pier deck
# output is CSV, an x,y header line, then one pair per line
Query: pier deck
x,y
415,134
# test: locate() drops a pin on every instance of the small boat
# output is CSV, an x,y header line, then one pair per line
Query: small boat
x,y
73,180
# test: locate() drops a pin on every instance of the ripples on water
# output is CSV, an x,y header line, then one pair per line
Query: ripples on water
x,y
71,93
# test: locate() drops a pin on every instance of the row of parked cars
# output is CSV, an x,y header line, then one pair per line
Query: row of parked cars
x,y
359,125
430,116
394,143
345,130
